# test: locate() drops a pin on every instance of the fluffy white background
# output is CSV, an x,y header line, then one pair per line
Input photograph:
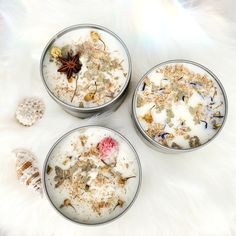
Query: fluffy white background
x,y
188,194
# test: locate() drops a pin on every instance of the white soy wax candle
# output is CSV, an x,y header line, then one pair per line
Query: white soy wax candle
x,y
179,105
92,175
86,69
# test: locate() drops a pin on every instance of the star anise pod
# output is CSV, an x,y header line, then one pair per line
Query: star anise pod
x,y
70,64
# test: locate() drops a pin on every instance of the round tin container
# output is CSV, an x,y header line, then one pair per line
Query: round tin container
x,y
101,36
78,154
158,82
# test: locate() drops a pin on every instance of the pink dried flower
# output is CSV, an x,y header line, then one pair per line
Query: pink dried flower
x,y
107,147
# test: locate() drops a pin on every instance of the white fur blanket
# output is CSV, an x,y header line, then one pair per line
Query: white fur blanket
x,y
181,195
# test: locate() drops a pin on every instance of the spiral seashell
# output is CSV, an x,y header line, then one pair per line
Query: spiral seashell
x,y
27,170
29,111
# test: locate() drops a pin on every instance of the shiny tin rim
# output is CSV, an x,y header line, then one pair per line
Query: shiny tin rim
x,y
142,131
82,26
67,134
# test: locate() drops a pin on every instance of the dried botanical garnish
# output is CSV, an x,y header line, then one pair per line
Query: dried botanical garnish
x,y
96,37
67,160
70,64
90,96
218,115
148,117
170,115
56,52
66,203
107,147
81,105
119,203
144,85
175,145
216,126
122,181
83,139
140,101
98,206
194,142
62,175
206,124
163,135
49,169
108,150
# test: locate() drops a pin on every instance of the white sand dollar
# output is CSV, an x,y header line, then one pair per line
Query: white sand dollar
x,y
30,110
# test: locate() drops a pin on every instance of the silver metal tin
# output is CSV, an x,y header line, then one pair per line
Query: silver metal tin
x,y
87,112
148,140
44,172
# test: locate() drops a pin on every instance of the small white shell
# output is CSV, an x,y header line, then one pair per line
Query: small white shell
x,y
30,110
27,170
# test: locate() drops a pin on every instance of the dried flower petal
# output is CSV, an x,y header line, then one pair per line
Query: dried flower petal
x,y
148,117
107,147
66,203
140,101
49,169
89,96
217,126
56,52
175,145
95,36
194,142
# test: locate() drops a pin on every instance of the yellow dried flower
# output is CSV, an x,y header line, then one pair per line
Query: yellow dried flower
x,y
95,36
55,52
216,126
89,96
148,117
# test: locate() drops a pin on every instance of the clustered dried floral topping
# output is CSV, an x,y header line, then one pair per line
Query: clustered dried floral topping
x,y
94,74
91,177
170,87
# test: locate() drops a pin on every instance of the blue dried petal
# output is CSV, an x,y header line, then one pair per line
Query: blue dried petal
x,y
163,135
144,85
220,117
206,124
